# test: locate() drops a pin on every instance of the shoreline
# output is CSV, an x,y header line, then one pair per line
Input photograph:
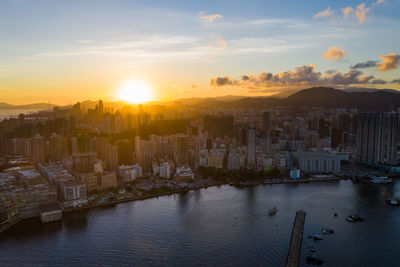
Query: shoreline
x,y
130,199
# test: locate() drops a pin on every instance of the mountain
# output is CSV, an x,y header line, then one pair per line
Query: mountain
x,y
37,106
372,100
333,98
361,89
364,100
201,101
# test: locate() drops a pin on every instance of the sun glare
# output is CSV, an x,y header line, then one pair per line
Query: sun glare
x,y
135,92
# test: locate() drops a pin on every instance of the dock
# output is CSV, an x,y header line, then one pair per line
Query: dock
x,y
293,256
50,212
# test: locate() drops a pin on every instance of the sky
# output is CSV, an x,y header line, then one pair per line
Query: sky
x,y
68,51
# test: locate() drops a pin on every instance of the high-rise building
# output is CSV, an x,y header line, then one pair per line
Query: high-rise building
x,y
58,147
182,150
112,157
165,170
83,162
377,137
129,173
73,193
125,151
266,123
38,149
323,128
18,146
101,107
267,130
99,144
251,146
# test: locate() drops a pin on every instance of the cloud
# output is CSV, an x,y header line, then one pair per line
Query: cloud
x,y
378,2
193,86
361,12
335,53
396,81
346,11
324,13
390,62
302,76
351,77
222,81
379,81
331,71
210,18
362,65
218,41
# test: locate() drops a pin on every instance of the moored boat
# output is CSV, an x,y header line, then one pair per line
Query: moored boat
x,y
393,201
272,211
327,231
317,237
313,259
354,218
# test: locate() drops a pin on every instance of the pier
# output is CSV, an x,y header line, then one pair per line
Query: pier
x,y
293,256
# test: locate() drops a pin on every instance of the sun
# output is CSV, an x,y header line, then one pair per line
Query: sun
x,y
135,92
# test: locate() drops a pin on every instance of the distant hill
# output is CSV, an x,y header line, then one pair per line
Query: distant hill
x,y
364,99
372,100
360,89
201,101
37,106
332,98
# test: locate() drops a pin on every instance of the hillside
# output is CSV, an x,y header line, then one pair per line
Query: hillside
x,y
374,100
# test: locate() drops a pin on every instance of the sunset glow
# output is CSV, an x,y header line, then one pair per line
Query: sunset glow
x,y
135,92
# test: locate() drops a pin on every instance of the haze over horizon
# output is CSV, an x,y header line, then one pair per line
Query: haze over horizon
x,y
138,51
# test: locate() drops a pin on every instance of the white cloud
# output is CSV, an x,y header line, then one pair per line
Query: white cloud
x,y
390,62
335,53
218,41
302,76
361,12
210,18
346,11
324,13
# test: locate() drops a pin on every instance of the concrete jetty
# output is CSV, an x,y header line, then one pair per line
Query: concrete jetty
x,y
293,256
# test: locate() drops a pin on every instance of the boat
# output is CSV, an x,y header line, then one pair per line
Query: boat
x,y
380,180
327,231
354,218
317,237
393,201
272,211
310,246
313,258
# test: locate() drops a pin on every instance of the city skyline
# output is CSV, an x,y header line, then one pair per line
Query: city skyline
x,y
65,52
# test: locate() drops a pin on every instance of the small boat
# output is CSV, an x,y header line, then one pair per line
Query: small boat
x,y
354,218
272,211
327,231
313,258
317,237
310,246
393,201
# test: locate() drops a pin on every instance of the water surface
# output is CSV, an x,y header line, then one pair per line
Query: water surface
x,y
217,226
